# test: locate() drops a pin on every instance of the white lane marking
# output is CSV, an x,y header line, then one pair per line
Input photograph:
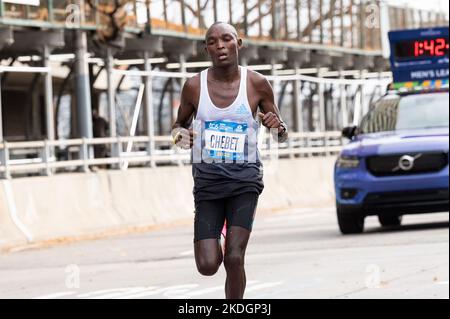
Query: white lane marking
x,y
173,292
99,292
57,295
263,286
214,289
205,291
127,293
178,291
187,253
145,293
114,293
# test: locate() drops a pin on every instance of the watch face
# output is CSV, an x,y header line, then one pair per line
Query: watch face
x,y
283,129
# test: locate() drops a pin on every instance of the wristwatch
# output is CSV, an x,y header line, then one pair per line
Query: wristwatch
x,y
284,129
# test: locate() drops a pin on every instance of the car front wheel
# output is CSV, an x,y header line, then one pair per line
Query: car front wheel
x,y
351,221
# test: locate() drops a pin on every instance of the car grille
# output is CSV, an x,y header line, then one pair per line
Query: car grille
x,y
423,163
407,202
407,197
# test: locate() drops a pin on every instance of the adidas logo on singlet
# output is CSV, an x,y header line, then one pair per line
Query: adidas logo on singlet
x,y
242,110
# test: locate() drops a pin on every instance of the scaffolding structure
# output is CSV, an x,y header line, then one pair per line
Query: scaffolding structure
x,y
340,23
324,59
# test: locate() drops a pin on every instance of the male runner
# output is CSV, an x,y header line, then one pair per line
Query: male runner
x,y
227,171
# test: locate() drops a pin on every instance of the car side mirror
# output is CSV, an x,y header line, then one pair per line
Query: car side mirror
x,y
349,132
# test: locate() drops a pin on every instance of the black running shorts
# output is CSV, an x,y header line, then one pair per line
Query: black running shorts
x,y
210,215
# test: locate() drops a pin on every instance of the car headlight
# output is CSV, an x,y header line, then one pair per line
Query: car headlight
x,y
347,162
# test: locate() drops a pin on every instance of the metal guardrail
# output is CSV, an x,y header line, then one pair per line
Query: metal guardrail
x,y
45,163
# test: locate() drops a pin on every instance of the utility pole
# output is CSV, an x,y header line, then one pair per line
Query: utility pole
x,y
82,84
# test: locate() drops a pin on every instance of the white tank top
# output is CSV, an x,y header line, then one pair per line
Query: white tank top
x,y
225,157
228,134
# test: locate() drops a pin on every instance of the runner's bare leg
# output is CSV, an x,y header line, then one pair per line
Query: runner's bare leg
x,y
236,245
208,256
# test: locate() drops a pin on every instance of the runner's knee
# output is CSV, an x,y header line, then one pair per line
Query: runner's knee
x,y
208,266
234,259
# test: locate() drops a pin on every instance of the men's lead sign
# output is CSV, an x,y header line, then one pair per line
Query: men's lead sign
x,y
27,2
419,55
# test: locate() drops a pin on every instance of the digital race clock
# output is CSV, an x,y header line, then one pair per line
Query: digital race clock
x,y
419,54
434,47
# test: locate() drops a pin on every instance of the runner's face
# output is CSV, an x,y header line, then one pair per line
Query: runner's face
x,y
222,45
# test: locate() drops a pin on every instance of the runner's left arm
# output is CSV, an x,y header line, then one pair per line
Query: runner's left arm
x,y
271,116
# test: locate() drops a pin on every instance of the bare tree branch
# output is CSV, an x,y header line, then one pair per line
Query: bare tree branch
x,y
194,12
308,29
116,19
328,16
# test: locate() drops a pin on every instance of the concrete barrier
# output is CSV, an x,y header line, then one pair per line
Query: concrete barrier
x,y
154,196
63,205
77,205
299,183
10,234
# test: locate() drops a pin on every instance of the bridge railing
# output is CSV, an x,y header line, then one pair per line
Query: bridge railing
x,y
313,122
77,155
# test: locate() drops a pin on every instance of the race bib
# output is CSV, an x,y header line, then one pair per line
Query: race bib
x,y
225,140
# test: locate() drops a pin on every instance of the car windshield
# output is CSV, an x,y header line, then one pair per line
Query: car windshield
x,y
410,112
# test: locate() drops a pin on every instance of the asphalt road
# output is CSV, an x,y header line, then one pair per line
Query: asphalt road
x,y
293,254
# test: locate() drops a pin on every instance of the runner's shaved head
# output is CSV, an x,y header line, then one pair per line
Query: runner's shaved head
x,y
222,44
225,25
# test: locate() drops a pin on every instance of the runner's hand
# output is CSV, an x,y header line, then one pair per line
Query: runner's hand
x,y
270,120
184,138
